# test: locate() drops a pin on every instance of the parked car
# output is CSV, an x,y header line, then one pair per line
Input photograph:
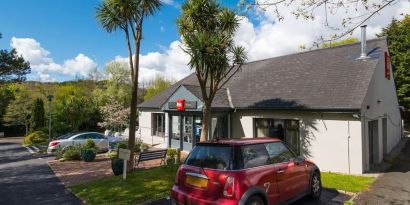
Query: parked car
x,y
257,171
100,140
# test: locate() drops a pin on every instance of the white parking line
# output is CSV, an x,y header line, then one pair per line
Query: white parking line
x,y
30,150
34,147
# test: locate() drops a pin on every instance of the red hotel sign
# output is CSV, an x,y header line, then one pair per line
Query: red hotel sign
x,y
386,66
181,104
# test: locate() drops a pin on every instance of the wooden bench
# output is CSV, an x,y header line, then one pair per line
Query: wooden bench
x,y
151,155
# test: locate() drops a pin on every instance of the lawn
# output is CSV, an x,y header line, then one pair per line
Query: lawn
x,y
139,186
345,182
156,183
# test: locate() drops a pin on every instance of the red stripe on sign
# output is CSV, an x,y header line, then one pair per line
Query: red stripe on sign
x,y
386,66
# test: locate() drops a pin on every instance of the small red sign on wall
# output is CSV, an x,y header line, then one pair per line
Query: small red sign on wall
x,y
386,66
181,104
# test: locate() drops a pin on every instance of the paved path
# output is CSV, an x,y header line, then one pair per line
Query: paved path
x,y
27,179
393,187
327,198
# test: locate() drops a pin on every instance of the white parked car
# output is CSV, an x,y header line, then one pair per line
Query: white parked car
x,y
100,140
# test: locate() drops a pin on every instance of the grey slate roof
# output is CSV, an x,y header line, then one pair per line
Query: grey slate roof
x,y
330,78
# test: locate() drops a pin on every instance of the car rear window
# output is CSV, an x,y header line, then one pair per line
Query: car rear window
x,y
211,156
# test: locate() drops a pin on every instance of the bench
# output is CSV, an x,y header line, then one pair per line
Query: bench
x,y
151,155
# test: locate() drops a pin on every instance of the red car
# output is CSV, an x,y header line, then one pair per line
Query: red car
x,y
254,171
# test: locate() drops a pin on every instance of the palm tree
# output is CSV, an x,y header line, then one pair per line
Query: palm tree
x,y
128,16
207,30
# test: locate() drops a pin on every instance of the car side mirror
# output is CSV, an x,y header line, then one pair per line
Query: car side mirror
x,y
298,160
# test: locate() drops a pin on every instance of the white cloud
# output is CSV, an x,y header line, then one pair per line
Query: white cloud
x,y
169,2
172,63
267,39
273,38
43,66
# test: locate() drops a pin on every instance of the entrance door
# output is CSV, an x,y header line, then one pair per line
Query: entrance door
x,y
188,132
384,126
175,131
373,142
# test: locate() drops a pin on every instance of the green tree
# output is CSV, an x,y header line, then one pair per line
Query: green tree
x,y
398,40
340,42
13,68
37,120
6,96
128,16
207,31
19,110
158,85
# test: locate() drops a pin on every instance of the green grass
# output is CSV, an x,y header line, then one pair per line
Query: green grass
x,y
345,182
139,186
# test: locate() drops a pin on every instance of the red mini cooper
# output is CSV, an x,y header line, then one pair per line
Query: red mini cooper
x,y
254,171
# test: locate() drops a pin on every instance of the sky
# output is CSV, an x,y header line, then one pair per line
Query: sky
x,y
63,41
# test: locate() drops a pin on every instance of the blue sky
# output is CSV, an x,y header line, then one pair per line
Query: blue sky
x,y
66,29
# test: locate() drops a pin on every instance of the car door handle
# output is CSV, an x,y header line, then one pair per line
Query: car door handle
x,y
280,171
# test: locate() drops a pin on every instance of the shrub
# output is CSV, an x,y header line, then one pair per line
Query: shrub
x,y
72,154
88,155
35,138
90,144
171,153
117,166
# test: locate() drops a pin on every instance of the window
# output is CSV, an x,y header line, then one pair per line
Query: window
x,y
210,156
278,153
81,137
96,136
254,155
219,127
158,124
283,129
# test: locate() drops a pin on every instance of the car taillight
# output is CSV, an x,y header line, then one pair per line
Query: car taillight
x,y
229,188
54,143
176,177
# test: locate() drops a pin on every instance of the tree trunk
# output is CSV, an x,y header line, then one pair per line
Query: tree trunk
x,y
206,118
26,125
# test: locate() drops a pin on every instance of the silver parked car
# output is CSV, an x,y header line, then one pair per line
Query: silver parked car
x,y
100,140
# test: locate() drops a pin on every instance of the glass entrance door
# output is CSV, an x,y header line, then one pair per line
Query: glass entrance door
x,y
188,132
175,131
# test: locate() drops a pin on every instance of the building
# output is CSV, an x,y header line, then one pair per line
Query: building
x,y
329,105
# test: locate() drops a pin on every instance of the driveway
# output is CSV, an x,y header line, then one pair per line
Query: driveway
x,y
27,179
392,187
329,197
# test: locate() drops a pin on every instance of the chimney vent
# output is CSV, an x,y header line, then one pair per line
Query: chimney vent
x,y
363,54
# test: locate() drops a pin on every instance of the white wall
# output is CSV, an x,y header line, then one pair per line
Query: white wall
x,y
325,137
144,131
383,90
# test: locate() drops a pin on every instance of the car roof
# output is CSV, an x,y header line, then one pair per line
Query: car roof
x,y
241,141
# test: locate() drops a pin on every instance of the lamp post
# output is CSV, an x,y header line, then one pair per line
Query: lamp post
x,y
50,98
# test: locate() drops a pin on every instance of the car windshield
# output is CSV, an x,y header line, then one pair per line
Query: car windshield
x,y
66,136
211,156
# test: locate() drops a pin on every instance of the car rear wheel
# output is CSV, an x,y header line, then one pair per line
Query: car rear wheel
x,y
315,186
255,200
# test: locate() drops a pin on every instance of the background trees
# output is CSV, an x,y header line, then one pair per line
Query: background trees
x,y
207,31
128,16
398,39
37,120
159,84
19,110
13,68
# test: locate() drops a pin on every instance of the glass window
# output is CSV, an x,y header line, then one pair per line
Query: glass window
x,y
81,137
158,124
254,155
285,130
278,153
219,127
210,156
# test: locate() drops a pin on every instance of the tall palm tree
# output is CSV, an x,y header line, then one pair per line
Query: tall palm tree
x,y
128,16
207,30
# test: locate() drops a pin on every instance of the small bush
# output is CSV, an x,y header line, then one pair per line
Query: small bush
x,y
72,154
88,155
117,166
35,138
171,153
90,144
